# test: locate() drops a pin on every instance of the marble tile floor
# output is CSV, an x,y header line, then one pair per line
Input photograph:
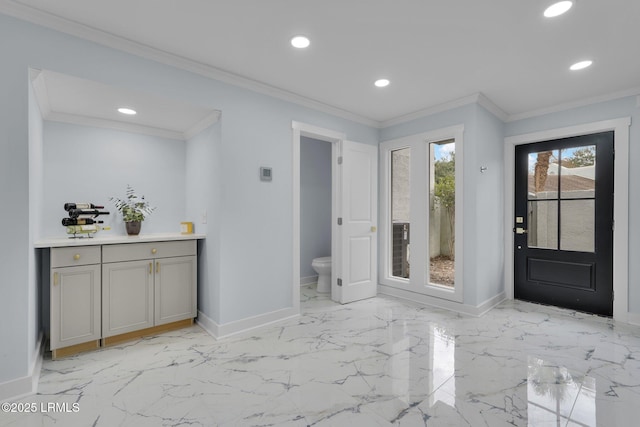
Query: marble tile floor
x,y
378,362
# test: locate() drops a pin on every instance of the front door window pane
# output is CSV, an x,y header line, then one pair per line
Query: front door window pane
x,y
543,224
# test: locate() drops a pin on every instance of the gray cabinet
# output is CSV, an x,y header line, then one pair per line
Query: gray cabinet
x,y
147,284
75,296
175,289
127,297
106,293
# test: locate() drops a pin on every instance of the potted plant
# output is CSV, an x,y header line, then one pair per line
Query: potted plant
x,y
134,209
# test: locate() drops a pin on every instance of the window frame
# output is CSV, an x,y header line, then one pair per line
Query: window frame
x,y
419,214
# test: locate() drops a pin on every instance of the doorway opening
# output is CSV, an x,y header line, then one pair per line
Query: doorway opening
x,y
354,215
315,140
563,229
315,213
620,127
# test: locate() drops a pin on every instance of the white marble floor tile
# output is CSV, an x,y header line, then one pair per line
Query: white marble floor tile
x,y
377,362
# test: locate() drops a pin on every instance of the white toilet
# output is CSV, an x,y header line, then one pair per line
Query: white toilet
x,y
323,267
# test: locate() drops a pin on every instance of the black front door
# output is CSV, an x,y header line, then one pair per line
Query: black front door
x,y
563,230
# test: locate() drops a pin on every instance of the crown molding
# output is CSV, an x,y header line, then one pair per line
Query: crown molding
x,y
54,22
45,19
576,104
491,107
201,125
112,124
476,98
431,110
40,91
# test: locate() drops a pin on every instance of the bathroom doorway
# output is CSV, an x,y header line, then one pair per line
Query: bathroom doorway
x,y
315,208
354,215
315,140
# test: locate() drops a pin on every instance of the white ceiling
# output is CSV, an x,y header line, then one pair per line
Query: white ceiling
x,y
70,99
433,52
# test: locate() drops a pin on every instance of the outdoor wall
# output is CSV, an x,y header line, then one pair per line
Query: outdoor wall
x,y
607,110
315,203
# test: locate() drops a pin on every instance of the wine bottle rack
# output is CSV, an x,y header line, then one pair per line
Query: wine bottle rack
x,y
82,220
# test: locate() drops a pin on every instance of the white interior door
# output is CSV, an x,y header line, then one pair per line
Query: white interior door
x,y
358,269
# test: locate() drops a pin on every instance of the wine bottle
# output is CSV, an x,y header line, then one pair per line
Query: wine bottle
x,y
85,229
69,206
80,221
86,213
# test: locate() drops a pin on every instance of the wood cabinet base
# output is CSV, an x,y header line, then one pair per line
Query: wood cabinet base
x,y
117,339
154,330
74,349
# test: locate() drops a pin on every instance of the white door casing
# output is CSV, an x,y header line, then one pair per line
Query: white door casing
x,y
620,205
358,275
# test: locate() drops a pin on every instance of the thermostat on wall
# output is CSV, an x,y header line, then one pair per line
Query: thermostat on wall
x,y
265,174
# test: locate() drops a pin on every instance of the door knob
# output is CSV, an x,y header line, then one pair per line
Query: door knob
x,y
374,228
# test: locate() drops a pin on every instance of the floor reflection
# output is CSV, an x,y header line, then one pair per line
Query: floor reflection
x,y
377,362
557,397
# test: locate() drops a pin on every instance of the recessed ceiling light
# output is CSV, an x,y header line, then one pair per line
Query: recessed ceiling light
x,y
557,9
382,82
127,111
300,42
580,65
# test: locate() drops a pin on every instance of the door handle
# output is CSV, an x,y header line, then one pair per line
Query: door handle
x,y
158,267
520,230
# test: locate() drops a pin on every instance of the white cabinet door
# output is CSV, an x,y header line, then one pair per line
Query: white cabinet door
x,y
359,237
175,289
75,305
127,297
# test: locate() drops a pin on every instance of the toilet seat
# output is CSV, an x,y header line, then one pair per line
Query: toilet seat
x,y
322,261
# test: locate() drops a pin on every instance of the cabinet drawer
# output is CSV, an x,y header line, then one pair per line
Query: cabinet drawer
x,y
153,250
82,255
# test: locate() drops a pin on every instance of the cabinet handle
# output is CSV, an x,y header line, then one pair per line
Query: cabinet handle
x,y
150,267
154,251
158,267
76,257
55,279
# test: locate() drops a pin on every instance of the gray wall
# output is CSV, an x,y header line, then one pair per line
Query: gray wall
x,y
88,164
624,107
315,202
255,130
204,195
482,220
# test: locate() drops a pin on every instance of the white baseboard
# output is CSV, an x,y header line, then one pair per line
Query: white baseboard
x,y
25,386
309,280
487,305
633,318
457,307
236,327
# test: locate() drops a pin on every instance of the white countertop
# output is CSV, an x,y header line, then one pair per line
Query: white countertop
x,y
61,242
